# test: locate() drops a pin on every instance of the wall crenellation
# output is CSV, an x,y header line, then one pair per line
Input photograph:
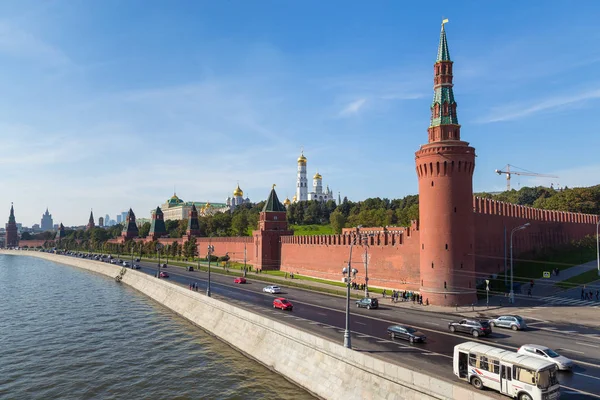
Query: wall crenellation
x,y
500,208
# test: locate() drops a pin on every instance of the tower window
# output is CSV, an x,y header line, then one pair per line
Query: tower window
x,y
446,246
422,246
454,209
461,265
445,287
275,217
421,282
431,183
431,265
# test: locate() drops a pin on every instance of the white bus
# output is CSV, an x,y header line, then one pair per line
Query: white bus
x,y
515,375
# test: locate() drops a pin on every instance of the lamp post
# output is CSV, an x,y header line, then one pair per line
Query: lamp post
x,y
132,249
350,272
211,248
255,270
158,248
512,291
598,246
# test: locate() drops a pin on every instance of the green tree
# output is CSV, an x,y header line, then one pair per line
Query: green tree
x,y
239,224
338,221
145,229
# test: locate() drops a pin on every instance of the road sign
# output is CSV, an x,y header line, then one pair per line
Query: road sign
x,y
487,285
546,274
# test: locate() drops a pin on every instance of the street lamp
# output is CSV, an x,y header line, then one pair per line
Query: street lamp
x,y
255,270
211,248
158,249
351,272
511,297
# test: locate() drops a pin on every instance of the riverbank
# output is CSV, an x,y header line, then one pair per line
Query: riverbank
x,y
322,367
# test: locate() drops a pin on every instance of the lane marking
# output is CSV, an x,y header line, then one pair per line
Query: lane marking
x,y
360,323
581,391
321,313
447,320
585,344
431,323
382,341
314,323
362,336
329,327
571,351
589,376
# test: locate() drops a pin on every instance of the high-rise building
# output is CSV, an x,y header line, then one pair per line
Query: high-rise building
x,y
118,218
47,223
107,220
101,222
124,215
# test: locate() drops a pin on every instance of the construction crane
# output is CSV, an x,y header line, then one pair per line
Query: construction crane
x,y
508,173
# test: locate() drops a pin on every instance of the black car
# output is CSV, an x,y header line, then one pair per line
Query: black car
x,y
164,265
406,333
367,303
137,260
135,266
189,268
471,326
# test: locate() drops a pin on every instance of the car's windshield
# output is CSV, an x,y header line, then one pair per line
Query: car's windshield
x,y
551,353
284,301
411,330
547,378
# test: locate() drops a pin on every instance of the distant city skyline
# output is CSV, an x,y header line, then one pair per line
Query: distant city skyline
x,y
233,90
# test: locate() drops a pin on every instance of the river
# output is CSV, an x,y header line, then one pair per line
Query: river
x,y
67,333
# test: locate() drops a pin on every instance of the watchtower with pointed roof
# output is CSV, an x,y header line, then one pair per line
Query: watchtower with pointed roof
x,y
272,225
193,228
12,236
130,230
445,168
157,228
91,223
61,233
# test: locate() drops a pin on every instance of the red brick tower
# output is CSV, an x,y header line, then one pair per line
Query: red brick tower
x,y
193,228
91,223
272,226
445,170
130,230
12,236
157,228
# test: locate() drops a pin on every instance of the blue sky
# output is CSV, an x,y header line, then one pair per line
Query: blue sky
x,y
110,104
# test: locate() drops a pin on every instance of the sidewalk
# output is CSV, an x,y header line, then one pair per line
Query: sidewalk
x,y
546,286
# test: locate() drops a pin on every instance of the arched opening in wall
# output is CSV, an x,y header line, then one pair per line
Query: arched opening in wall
x,y
461,265
445,167
421,282
452,167
445,287
422,246
454,209
446,246
459,163
431,265
438,167
431,183
431,168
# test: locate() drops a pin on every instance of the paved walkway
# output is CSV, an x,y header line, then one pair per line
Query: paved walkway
x,y
546,286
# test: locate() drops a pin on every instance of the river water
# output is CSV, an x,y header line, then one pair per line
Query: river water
x,y
67,333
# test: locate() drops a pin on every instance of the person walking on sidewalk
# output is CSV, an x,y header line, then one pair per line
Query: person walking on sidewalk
x,y
582,294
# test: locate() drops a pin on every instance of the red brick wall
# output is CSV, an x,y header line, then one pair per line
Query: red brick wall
x,y
233,245
393,257
548,228
33,243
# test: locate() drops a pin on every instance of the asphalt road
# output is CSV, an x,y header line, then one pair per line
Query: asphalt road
x,y
324,315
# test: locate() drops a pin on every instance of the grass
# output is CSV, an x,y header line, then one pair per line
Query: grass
x,y
306,230
581,279
563,257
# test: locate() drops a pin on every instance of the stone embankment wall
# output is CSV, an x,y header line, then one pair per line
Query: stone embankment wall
x,y
324,368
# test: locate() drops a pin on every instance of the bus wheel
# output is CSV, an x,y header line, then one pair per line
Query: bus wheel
x,y
525,396
476,382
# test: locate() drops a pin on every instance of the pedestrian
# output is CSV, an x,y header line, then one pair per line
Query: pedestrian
x,y
190,286
384,293
413,298
597,293
582,294
529,292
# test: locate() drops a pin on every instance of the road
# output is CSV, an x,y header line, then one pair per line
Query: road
x,y
324,315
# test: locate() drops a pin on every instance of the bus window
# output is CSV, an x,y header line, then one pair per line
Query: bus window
x,y
483,362
473,360
493,366
524,375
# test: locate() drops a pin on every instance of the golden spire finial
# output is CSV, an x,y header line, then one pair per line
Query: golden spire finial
x,y
444,22
273,187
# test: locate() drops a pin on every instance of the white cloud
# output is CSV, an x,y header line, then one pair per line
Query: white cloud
x,y
20,43
516,111
353,107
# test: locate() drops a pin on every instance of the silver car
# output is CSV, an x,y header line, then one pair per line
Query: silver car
x,y
547,354
272,289
513,322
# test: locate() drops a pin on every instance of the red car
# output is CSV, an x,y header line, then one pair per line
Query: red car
x,y
282,303
163,274
239,280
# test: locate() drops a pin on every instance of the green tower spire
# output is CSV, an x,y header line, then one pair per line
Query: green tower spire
x,y
443,52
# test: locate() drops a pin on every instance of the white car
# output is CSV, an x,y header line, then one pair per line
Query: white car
x,y
272,289
547,354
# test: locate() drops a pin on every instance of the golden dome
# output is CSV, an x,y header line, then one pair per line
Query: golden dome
x,y
295,199
286,202
207,204
238,192
317,176
302,159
